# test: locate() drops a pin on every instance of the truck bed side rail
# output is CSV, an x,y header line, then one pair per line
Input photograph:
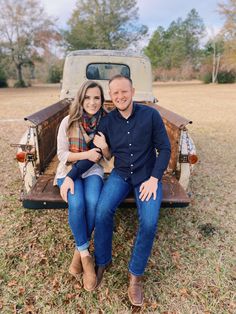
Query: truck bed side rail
x,y
47,122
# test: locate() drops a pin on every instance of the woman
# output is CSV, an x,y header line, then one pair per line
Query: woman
x,y
74,136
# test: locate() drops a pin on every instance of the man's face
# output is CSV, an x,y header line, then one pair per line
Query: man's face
x,y
121,93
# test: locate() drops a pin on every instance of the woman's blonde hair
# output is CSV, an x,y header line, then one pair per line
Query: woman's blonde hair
x,y
76,108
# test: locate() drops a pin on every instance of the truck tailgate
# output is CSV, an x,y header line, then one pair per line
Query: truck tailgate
x,y
45,195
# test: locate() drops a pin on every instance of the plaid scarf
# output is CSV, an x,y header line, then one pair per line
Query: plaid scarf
x,y
82,132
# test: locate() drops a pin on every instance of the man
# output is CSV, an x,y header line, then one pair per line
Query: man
x,y
133,133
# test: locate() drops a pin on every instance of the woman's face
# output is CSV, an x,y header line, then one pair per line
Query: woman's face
x,y
92,101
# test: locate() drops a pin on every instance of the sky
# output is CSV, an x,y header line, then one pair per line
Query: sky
x,y
152,13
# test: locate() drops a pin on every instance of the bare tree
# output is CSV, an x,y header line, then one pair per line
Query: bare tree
x,y
228,10
25,33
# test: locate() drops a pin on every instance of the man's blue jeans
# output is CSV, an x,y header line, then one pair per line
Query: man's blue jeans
x,y
82,208
114,191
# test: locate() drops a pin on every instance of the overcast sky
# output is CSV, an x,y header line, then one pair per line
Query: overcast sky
x,y
152,13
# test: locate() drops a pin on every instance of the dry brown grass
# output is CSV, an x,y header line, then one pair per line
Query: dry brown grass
x,y
191,269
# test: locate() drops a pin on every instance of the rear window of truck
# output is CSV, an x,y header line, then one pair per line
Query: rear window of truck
x,y
105,71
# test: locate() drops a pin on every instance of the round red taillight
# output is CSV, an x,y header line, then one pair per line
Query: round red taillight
x,y
21,156
192,159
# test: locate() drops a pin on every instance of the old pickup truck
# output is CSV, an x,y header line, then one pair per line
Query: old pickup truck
x,y
37,149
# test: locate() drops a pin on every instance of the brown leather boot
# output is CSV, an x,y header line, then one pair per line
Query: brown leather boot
x,y
89,275
100,271
75,268
135,291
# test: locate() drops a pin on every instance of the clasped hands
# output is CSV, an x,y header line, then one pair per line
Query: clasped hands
x,y
95,154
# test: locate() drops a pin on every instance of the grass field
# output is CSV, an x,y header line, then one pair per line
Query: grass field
x,y
192,269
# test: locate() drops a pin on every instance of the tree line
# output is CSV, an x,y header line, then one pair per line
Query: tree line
x,y
28,37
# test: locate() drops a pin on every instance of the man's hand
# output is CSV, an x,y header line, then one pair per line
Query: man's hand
x,y
67,185
99,140
148,188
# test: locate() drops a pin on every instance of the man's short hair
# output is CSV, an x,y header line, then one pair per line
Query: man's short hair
x,y
120,76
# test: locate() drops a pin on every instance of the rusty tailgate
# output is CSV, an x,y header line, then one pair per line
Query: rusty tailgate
x,y
45,195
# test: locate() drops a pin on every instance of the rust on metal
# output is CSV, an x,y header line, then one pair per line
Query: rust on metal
x,y
43,115
44,191
174,135
174,123
47,122
167,115
172,117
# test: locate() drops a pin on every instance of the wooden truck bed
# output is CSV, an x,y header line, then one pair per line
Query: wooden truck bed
x,y
45,195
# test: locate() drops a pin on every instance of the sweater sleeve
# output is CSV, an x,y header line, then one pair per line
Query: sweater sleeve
x,y
62,142
79,168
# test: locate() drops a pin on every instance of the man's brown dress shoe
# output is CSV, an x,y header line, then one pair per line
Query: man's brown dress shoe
x,y
135,291
100,271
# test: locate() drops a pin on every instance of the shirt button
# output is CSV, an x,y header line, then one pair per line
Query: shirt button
x,y
131,172
131,155
127,121
128,132
131,165
130,144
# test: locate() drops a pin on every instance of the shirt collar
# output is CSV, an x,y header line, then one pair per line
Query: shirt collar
x,y
119,115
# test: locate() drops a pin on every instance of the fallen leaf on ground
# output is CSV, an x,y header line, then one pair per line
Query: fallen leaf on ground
x,y
176,258
70,296
12,283
77,286
154,305
21,291
29,309
184,292
56,284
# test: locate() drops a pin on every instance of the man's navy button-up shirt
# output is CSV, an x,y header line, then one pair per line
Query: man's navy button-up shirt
x,y
139,144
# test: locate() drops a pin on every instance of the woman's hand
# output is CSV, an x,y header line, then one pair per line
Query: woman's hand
x,y
94,154
67,185
99,140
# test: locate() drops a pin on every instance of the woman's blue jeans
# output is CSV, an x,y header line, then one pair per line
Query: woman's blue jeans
x,y
113,193
82,208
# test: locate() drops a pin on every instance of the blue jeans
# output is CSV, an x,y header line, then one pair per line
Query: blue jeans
x,y
82,208
113,193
